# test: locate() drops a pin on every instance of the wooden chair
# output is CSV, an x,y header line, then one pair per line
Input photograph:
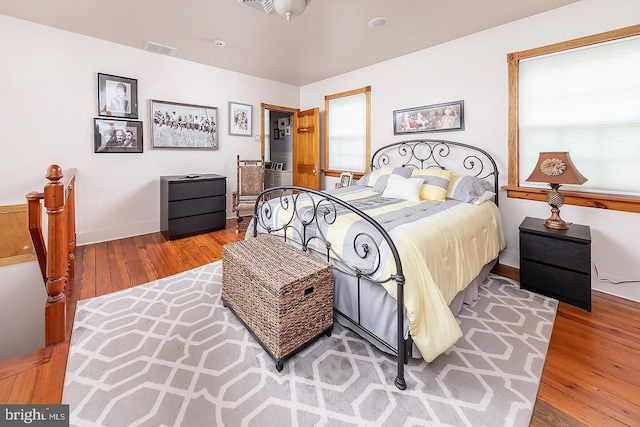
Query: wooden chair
x,y
250,183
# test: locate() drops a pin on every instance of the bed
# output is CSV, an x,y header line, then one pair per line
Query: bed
x,y
410,242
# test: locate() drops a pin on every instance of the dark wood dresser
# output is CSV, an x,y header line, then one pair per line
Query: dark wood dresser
x,y
556,263
191,206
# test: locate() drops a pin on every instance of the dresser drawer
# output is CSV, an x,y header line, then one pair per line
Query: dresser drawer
x,y
196,224
183,208
196,189
557,252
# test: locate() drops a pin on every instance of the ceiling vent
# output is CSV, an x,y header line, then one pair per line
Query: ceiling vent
x,y
262,5
159,48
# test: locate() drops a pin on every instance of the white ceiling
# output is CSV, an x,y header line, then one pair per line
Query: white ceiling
x,y
331,37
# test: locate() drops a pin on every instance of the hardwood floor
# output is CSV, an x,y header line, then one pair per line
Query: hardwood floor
x,y
591,376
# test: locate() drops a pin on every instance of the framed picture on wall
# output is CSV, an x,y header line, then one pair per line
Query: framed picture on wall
x,y
240,118
117,136
117,96
430,118
175,125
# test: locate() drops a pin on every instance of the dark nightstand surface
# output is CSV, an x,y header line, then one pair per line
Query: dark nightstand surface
x,y
575,232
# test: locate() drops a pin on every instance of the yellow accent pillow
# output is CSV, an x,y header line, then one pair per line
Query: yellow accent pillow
x,y
376,174
436,183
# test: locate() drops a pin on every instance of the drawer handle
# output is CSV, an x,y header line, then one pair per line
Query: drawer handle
x,y
308,291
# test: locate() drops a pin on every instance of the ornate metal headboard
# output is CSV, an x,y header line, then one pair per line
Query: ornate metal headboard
x,y
438,153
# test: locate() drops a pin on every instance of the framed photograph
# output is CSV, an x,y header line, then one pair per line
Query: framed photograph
x,y
279,166
282,123
175,125
117,96
276,133
430,118
282,133
287,130
345,179
240,119
117,136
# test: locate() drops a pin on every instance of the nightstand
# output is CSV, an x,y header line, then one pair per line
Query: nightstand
x,y
556,263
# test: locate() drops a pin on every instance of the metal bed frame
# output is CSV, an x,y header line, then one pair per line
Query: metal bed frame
x,y
419,154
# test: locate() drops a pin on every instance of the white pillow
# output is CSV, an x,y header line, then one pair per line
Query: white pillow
x,y
403,188
487,195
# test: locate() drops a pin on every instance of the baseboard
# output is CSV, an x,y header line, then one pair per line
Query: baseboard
x,y
507,271
114,233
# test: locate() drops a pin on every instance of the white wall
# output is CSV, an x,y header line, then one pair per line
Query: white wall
x,y
474,69
48,85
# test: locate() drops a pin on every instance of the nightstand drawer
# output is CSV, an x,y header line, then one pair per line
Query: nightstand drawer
x,y
557,252
565,285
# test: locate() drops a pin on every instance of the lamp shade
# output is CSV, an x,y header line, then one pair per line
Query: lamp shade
x,y
556,167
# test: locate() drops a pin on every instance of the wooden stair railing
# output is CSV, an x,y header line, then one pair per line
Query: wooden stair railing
x,y
57,258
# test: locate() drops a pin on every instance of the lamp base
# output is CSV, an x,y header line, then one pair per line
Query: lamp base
x,y
555,200
558,223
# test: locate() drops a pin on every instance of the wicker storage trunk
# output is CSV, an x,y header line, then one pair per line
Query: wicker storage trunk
x,y
283,295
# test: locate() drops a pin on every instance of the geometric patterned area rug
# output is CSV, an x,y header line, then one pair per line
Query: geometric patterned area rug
x,y
168,353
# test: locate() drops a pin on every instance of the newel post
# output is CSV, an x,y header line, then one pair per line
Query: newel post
x,y
55,309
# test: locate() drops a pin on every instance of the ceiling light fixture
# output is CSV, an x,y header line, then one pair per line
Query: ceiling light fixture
x,y
290,8
377,22
219,43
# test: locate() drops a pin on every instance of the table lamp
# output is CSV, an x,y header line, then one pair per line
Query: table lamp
x,y
556,168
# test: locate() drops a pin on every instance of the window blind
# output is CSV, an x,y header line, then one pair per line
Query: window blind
x,y
347,133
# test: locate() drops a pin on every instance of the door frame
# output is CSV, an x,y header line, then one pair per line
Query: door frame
x,y
276,108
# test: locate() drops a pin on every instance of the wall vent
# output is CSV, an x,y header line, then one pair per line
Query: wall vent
x,y
262,5
159,48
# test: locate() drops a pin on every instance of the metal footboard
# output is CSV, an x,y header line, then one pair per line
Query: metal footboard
x,y
304,215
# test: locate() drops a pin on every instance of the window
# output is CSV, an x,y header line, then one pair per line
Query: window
x,y
347,132
579,96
